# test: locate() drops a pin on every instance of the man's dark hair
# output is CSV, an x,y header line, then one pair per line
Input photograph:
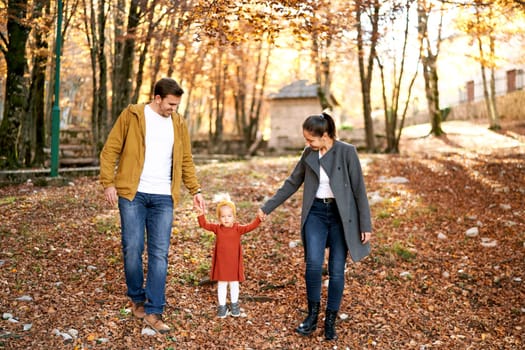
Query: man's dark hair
x,y
167,86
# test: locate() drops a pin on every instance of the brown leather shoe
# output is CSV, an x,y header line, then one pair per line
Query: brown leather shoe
x,y
138,309
155,322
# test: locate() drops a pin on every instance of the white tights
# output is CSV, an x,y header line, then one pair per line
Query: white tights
x,y
222,291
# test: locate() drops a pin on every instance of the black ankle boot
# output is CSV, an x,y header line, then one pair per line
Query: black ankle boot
x,y
329,325
310,322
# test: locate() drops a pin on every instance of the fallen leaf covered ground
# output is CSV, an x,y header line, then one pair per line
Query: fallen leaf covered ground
x,y
427,284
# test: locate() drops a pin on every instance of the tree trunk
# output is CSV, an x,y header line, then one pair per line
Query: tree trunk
x,y
256,136
389,128
16,84
429,63
36,94
194,69
124,59
220,96
155,65
493,112
392,107
95,28
432,94
117,57
482,28
145,46
322,71
365,73
90,30
102,92
488,91
248,91
494,115
436,114
239,94
486,96
175,35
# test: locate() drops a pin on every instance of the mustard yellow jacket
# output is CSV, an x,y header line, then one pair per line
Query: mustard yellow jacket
x,y
126,145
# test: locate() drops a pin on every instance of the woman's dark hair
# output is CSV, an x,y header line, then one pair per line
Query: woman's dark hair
x,y
167,86
318,124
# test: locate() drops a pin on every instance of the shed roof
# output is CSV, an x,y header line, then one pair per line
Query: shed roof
x,y
297,89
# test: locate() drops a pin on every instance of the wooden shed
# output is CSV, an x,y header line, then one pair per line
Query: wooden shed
x,y
288,109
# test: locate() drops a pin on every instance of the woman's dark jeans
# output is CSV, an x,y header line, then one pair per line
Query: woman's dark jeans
x,y
323,228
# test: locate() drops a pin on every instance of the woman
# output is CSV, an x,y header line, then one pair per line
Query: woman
x,y
335,215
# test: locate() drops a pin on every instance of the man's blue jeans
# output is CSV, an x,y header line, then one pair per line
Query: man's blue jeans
x,y
153,214
323,228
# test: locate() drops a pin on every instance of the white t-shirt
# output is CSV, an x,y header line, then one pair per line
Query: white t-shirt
x,y
156,174
324,190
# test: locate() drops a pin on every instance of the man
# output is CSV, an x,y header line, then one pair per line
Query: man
x,y
151,144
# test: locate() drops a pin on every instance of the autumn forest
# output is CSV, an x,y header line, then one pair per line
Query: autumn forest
x,y
229,56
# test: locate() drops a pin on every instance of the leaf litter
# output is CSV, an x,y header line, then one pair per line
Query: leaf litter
x,y
428,284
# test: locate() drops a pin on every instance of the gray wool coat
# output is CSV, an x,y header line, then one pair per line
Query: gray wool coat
x,y
343,168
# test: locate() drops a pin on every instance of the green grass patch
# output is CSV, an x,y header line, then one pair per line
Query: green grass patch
x,y
384,214
107,225
189,278
207,239
279,217
402,252
258,175
390,277
389,255
7,200
114,259
204,268
244,205
396,223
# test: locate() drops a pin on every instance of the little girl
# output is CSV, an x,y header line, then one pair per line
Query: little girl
x,y
227,264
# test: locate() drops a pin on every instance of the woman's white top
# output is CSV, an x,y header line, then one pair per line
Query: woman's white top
x,y
324,190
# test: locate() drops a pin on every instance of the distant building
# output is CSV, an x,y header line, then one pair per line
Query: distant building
x,y
507,80
510,93
288,109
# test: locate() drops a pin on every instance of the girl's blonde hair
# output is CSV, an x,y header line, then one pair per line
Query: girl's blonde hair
x,y
223,199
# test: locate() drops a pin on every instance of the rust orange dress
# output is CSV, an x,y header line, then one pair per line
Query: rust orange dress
x,y
227,262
